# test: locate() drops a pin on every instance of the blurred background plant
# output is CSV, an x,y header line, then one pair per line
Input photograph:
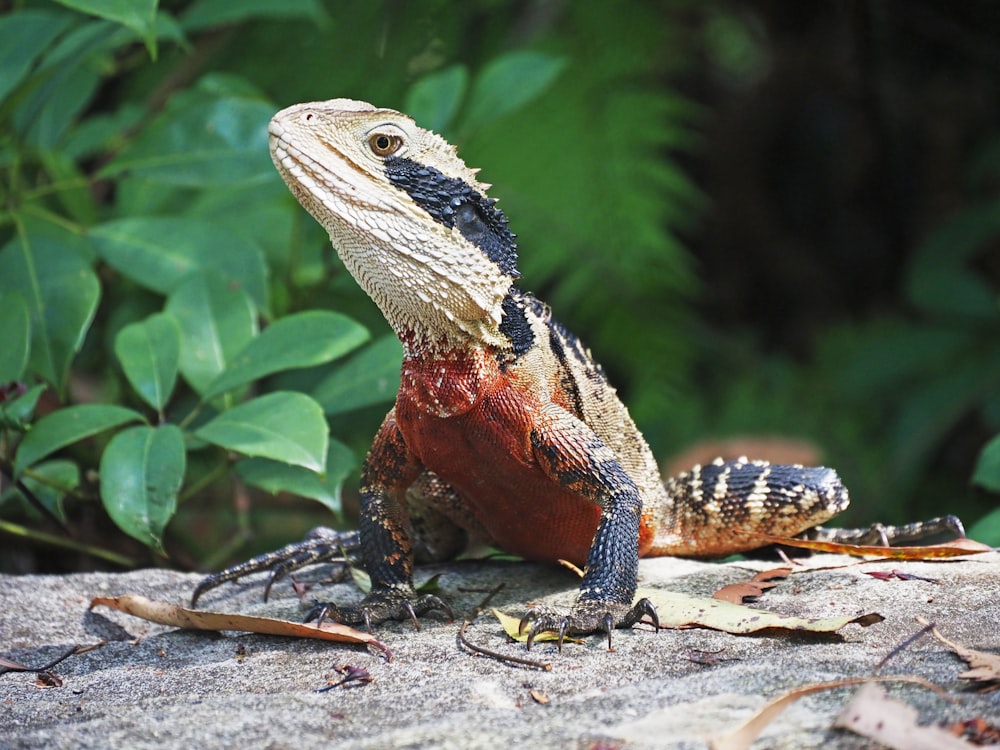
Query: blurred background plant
x,y
776,226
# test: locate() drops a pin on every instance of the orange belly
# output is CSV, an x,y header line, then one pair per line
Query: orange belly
x,y
471,424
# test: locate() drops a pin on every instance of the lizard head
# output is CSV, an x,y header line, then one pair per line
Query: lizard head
x,y
407,216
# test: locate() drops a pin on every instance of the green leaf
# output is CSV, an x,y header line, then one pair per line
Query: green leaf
x,y
301,340
24,36
433,100
16,326
275,477
161,252
17,412
216,322
987,529
201,141
50,482
66,426
149,352
370,377
987,472
77,200
138,15
142,470
50,109
509,82
283,426
61,292
208,13
942,277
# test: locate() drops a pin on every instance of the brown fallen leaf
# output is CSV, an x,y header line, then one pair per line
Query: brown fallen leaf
x,y
737,593
743,736
985,666
48,679
775,574
539,696
873,714
977,730
165,613
954,548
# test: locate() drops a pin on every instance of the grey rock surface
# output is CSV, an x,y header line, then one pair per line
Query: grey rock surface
x,y
157,687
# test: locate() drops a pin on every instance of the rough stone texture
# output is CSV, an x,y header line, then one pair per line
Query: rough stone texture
x,y
173,689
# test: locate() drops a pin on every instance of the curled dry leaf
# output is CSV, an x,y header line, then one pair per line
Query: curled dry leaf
x,y
743,736
165,613
985,666
737,593
873,714
539,696
954,548
774,574
48,679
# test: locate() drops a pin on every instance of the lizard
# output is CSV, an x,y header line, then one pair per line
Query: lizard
x,y
505,431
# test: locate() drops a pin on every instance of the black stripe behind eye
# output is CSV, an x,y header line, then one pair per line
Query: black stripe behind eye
x,y
515,324
454,203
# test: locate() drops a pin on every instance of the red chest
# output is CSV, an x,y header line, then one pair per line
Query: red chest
x,y
471,424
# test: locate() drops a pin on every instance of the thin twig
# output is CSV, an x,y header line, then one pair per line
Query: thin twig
x,y
905,644
9,666
505,658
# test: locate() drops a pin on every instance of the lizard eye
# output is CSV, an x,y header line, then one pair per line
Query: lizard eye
x,y
383,144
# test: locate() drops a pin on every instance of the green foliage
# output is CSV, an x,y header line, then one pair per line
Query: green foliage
x,y
886,396
142,470
163,297
119,266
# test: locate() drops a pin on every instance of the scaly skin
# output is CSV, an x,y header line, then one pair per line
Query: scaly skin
x,y
504,431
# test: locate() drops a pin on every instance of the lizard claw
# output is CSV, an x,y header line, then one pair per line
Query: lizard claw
x,y
587,616
377,607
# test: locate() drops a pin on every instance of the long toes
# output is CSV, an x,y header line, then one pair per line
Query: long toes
x,y
429,602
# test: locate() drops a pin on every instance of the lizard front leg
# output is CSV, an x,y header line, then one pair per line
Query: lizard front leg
x,y
386,537
572,454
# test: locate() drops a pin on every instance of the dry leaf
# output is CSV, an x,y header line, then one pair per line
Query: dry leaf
x,y
978,731
48,679
873,714
539,697
682,611
743,736
985,666
570,566
165,613
737,593
953,548
775,574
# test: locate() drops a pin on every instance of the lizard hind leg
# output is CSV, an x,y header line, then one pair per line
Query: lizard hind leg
x,y
885,536
723,508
